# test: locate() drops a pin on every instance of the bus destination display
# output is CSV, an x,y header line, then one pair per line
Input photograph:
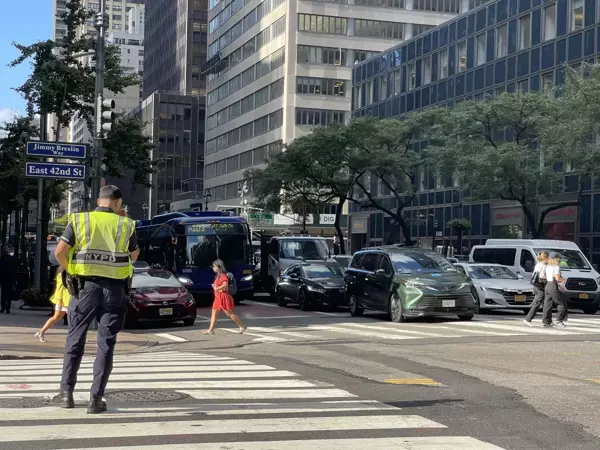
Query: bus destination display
x,y
217,228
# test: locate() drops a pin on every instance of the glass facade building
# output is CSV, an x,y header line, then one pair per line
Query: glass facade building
x,y
501,46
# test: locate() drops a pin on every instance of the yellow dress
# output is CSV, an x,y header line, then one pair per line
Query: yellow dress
x,y
61,296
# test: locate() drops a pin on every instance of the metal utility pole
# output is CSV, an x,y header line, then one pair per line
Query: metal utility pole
x,y
37,267
101,25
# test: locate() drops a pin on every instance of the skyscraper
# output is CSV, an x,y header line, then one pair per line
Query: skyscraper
x,y
283,66
175,46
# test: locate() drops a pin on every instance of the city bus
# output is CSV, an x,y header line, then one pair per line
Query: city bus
x,y
187,243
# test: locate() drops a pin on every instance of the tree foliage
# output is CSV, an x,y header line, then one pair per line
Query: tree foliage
x,y
494,146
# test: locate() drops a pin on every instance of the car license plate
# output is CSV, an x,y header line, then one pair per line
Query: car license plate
x,y
520,298
165,311
584,296
448,303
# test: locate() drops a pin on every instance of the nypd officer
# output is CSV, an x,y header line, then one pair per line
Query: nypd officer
x,y
97,250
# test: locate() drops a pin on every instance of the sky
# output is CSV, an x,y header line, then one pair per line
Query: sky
x,y
25,22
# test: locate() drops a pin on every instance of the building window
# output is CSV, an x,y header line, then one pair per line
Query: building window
x,y
461,56
412,76
502,41
426,70
360,56
117,26
322,24
117,17
399,4
397,74
320,86
480,49
523,86
577,14
379,29
524,32
317,117
443,64
321,55
548,83
549,29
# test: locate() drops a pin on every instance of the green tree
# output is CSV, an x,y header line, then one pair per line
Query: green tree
x,y
386,163
460,226
571,133
494,146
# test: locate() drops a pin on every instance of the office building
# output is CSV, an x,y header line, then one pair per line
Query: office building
x,y
175,46
281,67
504,46
59,28
176,123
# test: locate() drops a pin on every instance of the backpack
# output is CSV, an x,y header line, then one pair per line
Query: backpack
x,y
232,285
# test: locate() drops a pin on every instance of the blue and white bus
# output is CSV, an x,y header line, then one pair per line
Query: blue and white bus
x,y
186,243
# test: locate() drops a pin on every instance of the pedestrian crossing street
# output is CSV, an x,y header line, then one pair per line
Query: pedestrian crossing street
x,y
233,404
481,326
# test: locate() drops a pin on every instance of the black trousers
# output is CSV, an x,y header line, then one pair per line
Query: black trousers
x,y
536,304
103,300
5,297
553,298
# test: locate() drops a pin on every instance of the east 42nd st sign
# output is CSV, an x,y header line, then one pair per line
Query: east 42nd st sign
x,y
56,171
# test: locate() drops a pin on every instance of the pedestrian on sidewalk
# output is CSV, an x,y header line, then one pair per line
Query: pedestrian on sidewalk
x,y
223,298
8,278
553,296
97,250
60,298
538,280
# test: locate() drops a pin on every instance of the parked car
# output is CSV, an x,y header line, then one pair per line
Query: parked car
x,y
408,282
309,284
582,289
157,295
498,287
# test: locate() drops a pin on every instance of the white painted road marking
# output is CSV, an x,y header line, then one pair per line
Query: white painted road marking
x,y
172,337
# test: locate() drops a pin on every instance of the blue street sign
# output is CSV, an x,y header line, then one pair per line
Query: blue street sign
x,y
55,170
57,150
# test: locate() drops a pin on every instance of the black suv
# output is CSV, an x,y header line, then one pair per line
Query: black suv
x,y
408,282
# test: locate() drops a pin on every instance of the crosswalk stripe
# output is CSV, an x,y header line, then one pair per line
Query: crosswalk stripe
x,y
265,394
57,363
16,433
521,329
116,376
394,330
488,333
88,369
400,443
217,384
51,413
336,329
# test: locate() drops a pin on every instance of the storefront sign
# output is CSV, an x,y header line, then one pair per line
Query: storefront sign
x,y
507,216
326,219
566,214
359,226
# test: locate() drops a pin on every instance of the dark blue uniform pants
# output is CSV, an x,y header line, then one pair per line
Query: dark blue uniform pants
x,y
104,300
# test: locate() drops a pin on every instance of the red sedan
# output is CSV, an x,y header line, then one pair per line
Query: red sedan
x,y
157,295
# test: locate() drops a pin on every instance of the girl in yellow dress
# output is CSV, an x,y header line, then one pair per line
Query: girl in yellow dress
x,y
60,298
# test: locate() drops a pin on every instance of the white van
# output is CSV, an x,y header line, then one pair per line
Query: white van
x,y
583,282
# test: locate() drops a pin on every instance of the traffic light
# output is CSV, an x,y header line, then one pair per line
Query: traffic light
x,y
108,115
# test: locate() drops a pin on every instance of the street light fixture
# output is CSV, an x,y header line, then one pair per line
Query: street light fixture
x,y
243,190
206,196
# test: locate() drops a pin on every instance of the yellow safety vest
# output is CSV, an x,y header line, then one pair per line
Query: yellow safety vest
x,y
101,245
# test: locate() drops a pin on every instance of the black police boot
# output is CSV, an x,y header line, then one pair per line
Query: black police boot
x,y
64,399
97,405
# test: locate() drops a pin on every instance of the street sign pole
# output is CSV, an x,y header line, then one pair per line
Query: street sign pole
x,y
37,265
101,25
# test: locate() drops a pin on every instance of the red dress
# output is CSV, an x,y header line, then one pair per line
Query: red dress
x,y
223,300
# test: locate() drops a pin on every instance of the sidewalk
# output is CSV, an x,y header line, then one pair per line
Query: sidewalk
x,y
17,340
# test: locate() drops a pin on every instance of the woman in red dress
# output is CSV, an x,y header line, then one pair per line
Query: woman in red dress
x,y
223,299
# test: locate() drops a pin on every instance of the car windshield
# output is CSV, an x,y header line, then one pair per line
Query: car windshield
x,y
491,272
421,263
323,271
154,279
201,251
569,259
304,249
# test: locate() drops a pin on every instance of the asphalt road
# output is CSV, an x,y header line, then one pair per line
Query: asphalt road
x,y
325,379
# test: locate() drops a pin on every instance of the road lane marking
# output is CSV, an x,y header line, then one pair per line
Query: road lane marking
x,y
413,381
254,302
16,433
260,337
401,443
214,370
393,330
171,337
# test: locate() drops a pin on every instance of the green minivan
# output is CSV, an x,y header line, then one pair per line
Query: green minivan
x,y
408,282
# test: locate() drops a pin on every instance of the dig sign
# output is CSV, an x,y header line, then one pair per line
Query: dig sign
x,y
326,219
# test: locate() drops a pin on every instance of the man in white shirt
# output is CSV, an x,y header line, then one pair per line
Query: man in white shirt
x,y
553,295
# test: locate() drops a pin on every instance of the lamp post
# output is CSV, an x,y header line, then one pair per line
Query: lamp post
x,y
242,191
206,197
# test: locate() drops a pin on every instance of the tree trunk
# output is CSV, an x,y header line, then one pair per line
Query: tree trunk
x,y
336,224
44,269
533,225
405,229
17,233
459,234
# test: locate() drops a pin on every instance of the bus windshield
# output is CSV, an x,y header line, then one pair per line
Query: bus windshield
x,y
201,251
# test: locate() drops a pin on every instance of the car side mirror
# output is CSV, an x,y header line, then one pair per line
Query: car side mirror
x,y
380,273
293,275
519,276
